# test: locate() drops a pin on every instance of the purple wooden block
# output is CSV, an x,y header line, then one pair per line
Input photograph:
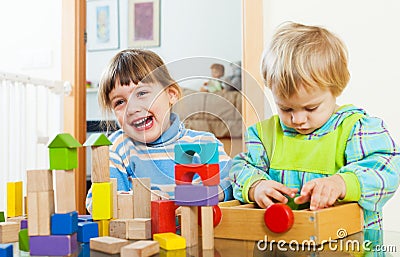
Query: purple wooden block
x,y
196,195
53,245
24,224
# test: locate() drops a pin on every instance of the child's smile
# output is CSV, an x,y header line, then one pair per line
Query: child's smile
x,y
143,123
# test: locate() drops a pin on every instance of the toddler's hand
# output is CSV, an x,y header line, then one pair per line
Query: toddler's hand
x,y
264,192
322,192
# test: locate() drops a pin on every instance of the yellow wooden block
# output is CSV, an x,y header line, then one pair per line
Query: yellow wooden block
x,y
14,199
104,227
102,201
170,241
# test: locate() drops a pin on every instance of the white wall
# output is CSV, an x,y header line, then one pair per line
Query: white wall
x,y
31,45
189,28
370,29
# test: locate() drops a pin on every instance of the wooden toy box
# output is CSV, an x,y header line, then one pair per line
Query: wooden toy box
x,y
245,222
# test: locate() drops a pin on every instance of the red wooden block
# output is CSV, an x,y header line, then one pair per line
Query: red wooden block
x,y
278,217
163,216
209,174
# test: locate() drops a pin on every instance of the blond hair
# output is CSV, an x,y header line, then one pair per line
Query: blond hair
x,y
133,65
305,56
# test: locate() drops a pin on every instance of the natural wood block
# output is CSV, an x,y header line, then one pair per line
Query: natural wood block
x,y
39,180
102,204
100,164
125,205
189,228
9,232
140,249
308,225
14,199
16,219
40,208
107,244
163,216
104,227
119,228
139,228
207,227
141,197
65,191
114,183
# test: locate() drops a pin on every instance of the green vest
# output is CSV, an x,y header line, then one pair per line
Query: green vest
x,y
324,155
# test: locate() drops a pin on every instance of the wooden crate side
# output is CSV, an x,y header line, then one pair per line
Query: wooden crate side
x,y
339,221
234,218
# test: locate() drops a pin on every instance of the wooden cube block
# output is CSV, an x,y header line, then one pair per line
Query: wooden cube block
x,y
104,227
108,244
58,245
9,232
119,228
65,191
100,164
23,240
14,199
40,208
102,201
125,205
170,241
140,249
141,197
64,223
39,180
139,228
163,216
6,250
87,230
21,220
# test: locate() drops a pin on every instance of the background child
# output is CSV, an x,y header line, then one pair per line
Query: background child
x,y
313,147
214,85
138,89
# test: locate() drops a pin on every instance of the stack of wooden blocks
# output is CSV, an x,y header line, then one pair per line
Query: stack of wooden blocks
x,y
52,216
190,196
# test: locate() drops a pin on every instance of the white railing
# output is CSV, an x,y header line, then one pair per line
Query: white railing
x,y
31,113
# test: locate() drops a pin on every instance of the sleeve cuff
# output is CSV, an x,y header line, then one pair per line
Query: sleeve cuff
x,y
353,190
247,185
227,189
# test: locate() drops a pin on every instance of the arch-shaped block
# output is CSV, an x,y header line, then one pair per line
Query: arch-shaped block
x,y
208,153
209,174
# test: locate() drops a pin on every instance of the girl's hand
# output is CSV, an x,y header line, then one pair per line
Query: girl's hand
x,y
264,192
322,192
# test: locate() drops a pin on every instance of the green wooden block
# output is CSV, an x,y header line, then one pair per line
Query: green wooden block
x,y
97,139
2,219
63,152
295,206
23,240
63,158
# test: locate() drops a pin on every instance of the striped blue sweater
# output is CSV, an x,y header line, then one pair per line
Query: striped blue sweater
x,y
130,159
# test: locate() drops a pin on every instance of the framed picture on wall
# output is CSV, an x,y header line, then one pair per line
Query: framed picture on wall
x,y
143,23
102,25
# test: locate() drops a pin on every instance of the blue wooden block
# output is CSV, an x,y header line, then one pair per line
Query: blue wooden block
x,y
58,245
87,230
6,250
84,250
196,195
83,218
208,152
64,223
